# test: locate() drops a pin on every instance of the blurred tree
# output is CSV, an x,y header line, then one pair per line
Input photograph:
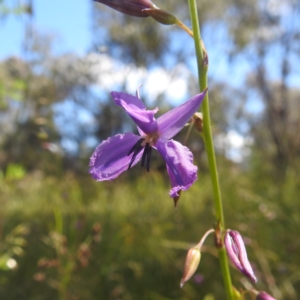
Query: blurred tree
x,y
29,91
16,8
273,54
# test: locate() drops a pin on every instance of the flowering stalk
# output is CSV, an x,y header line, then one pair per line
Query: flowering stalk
x,y
202,64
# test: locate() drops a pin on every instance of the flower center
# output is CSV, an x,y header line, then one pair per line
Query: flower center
x,y
145,142
151,139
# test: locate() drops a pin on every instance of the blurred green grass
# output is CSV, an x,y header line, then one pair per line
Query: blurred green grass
x,y
125,240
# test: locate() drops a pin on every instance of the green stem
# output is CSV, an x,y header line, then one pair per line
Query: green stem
x,y
202,64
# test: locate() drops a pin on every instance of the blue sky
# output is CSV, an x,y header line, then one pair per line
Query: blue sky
x,y
70,23
68,20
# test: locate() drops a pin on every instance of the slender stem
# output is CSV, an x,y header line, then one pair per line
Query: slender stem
x,y
202,64
184,27
207,233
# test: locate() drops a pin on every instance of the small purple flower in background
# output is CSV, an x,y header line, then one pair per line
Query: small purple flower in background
x,y
122,151
264,296
198,278
237,254
130,7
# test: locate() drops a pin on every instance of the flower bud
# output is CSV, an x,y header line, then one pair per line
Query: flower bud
x,y
236,294
129,7
161,16
237,254
197,119
191,264
264,296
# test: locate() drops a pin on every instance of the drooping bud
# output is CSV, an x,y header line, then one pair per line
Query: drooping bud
x,y
191,264
237,253
161,16
264,296
129,7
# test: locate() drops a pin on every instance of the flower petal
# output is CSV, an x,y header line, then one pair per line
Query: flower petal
x,y
136,109
174,120
132,101
111,157
179,160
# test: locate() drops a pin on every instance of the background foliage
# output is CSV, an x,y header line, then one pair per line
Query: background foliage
x,y
64,236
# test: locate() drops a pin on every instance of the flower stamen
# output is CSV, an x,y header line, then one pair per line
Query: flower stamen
x,y
136,149
146,156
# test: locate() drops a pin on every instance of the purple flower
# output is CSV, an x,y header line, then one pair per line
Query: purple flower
x,y
130,7
264,296
237,253
122,151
